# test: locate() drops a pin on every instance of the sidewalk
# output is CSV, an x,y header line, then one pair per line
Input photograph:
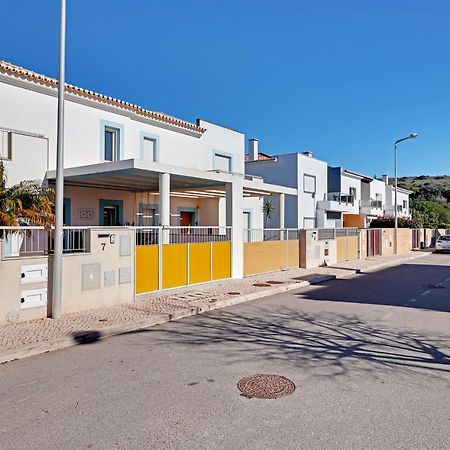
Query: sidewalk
x,y
19,340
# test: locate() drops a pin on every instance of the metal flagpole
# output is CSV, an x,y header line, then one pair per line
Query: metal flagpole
x,y
59,188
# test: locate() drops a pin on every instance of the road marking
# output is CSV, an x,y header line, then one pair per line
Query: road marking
x,y
447,279
425,293
386,316
413,300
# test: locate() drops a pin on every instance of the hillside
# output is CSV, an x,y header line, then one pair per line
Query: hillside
x,y
425,182
430,201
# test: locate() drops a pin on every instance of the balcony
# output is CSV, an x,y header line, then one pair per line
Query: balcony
x,y
372,208
338,201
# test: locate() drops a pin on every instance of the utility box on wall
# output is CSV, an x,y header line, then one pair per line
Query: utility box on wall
x,y
316,248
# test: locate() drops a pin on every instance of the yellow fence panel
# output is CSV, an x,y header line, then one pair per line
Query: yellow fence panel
x,y
260,257
147,271
174,262
293,253
221,260
352,247
341,248
347,248
199,262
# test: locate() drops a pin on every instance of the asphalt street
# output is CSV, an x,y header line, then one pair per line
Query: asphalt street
x,y
370,357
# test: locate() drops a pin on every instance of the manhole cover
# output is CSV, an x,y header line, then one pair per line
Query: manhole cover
x,y
265,386
434,286
261,285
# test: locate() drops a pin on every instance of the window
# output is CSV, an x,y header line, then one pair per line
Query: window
x,y
222,162
352,192
148,214
405,204
378,202
5,145
148,149
112,144
309,184
111,212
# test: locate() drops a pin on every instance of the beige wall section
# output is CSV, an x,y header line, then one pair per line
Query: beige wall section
x,y
106,254
75,298
88,198
404,240
315,252
363,243
11,289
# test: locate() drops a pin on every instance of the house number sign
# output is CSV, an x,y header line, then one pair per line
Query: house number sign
x,y
86,213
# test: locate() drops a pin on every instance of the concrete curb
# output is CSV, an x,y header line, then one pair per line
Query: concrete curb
x,y
92,336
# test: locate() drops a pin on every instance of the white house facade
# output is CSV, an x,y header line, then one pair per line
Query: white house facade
x,y
125,165
300,171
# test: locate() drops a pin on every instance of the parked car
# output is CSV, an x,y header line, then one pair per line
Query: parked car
x,y
442,244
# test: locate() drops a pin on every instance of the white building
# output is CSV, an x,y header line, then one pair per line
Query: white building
x,y
403,209
340,206
125,164
300,171
373,198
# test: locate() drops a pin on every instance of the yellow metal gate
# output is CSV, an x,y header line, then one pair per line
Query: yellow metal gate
x,y
347,244
192,255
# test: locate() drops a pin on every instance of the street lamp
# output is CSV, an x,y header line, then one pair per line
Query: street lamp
x,y
59,188
411,136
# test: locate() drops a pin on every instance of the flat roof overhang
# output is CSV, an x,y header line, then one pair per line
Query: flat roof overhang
x,y
134,175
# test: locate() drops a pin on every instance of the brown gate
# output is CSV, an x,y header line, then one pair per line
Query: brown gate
x,y
374,239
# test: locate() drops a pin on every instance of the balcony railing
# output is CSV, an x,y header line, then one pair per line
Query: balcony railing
x,y
270,234
20,242
340,197
181,235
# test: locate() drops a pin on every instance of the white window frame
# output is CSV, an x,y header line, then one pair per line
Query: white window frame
x,y
115,151
6,141
224,155
305,176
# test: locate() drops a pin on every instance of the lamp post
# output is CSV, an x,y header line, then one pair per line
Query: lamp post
x,y
411,136
59,187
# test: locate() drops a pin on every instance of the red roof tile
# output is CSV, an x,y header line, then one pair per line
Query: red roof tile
x,y
20,72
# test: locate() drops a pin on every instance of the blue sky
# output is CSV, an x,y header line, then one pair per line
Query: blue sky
x,y
341,78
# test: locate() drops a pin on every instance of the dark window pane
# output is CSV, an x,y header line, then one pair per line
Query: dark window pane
x,y
109,144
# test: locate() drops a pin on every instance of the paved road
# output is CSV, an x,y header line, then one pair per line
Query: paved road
x,y
370,357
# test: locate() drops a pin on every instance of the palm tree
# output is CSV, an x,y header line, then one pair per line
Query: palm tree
x,y
268,210
26,203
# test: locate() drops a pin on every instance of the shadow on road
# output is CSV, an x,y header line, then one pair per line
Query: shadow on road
x,y
339,343
395,286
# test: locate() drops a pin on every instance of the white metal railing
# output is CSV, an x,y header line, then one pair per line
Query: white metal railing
x,y
340,197
19,242
333,233
270,234
181,235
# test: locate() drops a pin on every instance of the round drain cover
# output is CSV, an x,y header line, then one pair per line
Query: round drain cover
x,y
266,386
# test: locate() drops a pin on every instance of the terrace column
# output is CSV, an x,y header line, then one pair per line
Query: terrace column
x,y
234,214
164,206
281,199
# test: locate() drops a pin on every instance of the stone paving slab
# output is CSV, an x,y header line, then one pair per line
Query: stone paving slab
x,y
159,308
